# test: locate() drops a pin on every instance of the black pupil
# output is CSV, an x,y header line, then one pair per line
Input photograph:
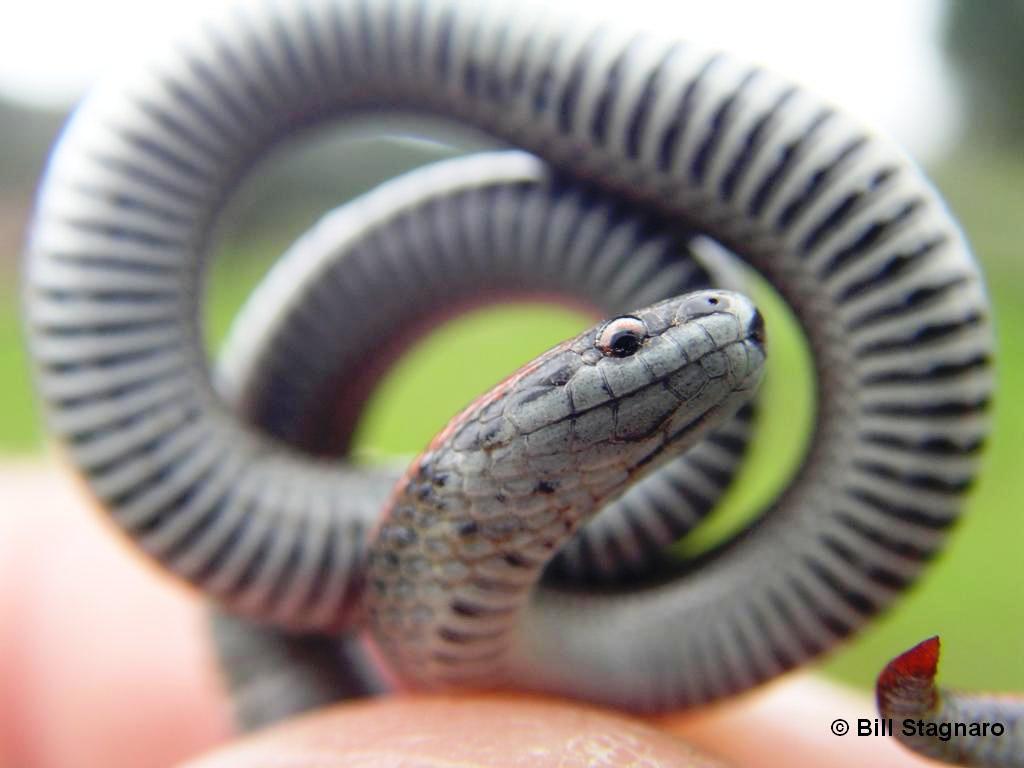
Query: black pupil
x,y
624,343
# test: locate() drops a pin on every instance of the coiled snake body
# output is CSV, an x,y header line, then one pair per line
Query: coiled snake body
x,y
845,228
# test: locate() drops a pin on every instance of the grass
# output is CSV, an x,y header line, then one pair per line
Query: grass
x,y
20,432
971,594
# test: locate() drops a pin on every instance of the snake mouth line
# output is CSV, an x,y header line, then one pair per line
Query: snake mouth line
x,y
671,438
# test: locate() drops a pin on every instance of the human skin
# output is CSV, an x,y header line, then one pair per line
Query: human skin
x,y
104,661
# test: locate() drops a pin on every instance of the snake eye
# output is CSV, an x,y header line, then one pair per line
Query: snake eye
x,y
621,337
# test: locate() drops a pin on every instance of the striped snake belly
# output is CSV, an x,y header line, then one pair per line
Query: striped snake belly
x,y
838,221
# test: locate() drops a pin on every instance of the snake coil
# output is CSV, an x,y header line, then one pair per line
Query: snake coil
x,y
840,222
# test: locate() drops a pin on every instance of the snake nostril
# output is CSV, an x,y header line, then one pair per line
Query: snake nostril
x,y
756,327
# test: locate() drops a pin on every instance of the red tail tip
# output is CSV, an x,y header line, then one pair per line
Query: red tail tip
x,y
919,663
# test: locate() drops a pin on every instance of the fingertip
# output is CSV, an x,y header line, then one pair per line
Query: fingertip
x,y
104,664
794,717
479,731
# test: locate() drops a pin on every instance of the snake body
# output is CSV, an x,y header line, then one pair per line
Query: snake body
x,y
841,223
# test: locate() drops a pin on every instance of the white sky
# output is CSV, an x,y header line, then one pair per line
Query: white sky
x,y
879,59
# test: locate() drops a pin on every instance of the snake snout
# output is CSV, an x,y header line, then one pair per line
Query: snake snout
x,y
711,302
755,328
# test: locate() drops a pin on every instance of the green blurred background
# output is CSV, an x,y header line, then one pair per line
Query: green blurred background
x,y
971,597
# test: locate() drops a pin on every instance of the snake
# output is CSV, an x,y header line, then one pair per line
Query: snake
x,y
342,295
956,727
839,221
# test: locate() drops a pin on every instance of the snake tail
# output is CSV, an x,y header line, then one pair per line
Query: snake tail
x,y
978,730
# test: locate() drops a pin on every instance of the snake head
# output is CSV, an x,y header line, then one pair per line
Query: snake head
x,y
620,398
649,384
